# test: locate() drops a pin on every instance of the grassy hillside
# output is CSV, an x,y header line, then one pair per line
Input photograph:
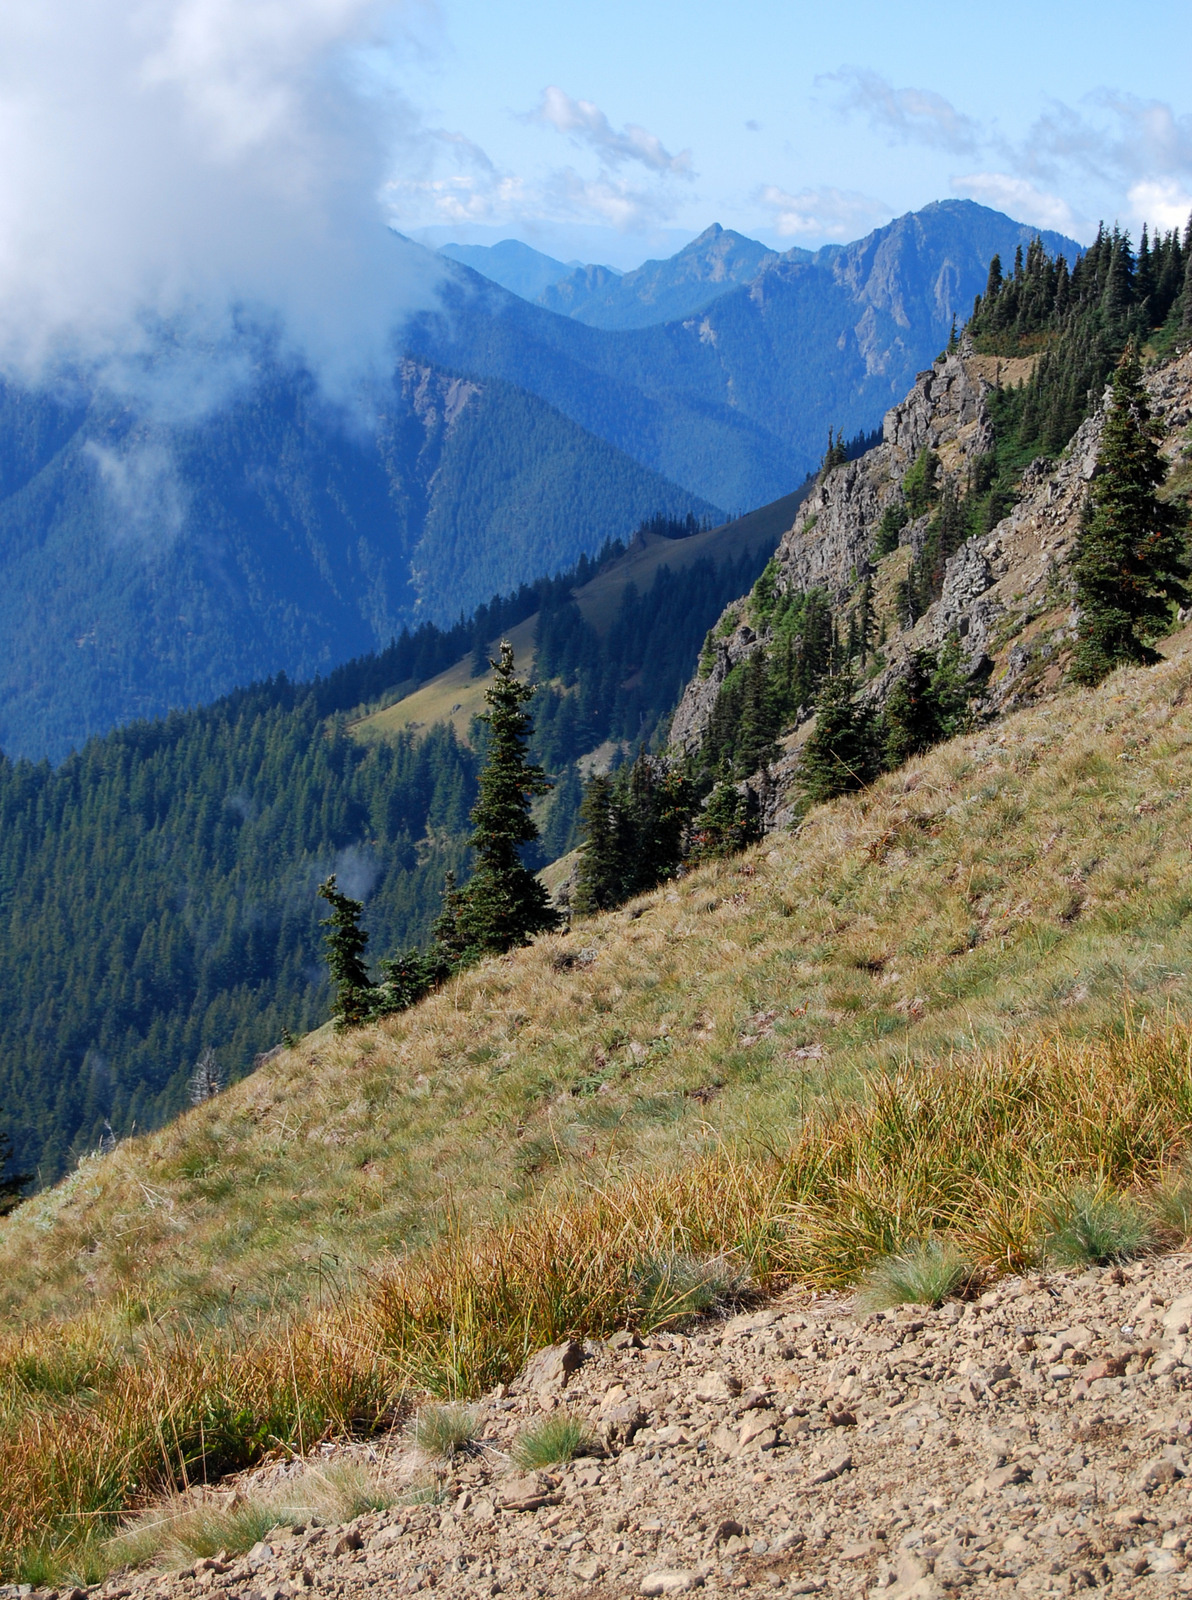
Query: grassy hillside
x,y
1031,877
803,1056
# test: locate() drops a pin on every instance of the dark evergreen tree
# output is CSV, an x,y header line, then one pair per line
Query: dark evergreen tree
x,y
835,455
1131,562
893,519
448,943
344,944
601,874
760,718
952,688
919,484
841,752
405,980
910,723
503,903
728,822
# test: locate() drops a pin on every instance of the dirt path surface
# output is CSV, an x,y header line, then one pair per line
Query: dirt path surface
x,y
1035,1442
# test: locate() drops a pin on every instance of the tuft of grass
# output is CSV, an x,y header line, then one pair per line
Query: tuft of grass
x,y
1094,1226
924,1273
1170,1203
557,1437
675,1287
185,1528
427,1493
444,1430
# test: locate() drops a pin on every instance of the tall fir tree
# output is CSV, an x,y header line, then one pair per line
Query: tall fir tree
x,y
1131,561
503,904
344,943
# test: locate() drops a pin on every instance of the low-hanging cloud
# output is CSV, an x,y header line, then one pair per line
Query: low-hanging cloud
x,y
176,170
474,189
146,499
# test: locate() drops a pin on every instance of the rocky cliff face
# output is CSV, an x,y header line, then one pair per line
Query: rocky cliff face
x,y
830,544
1005,593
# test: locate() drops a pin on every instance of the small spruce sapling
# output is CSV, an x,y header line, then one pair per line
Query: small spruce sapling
x,y
727,824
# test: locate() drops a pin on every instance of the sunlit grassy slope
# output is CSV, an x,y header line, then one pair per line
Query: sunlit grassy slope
x,y
1025,878
455,696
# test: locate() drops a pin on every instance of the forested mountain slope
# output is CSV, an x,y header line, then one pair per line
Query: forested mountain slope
x,y
155,563
157,889
145,566
962,525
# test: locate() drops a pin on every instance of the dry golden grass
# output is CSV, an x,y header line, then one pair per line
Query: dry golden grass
x,y
979,1152
933,1011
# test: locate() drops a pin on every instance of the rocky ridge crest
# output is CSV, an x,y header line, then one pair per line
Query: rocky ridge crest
x,y
1005,593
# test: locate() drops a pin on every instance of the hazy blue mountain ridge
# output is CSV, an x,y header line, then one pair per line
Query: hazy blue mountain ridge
x,y
145,565
735,402
661,291
515,266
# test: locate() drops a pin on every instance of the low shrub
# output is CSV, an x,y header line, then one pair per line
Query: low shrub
x,y
443,1431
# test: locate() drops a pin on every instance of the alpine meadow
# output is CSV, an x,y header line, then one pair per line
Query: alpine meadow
x,y
595,806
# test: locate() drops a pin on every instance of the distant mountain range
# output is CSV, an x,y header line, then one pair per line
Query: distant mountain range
x,y
657,291
144,567
148,564
734,399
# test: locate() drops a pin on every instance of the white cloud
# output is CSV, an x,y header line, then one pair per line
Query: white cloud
x,y
587,124
1163,202
907,115
1020,199
476,190
195,162
146,502
823,213
1131,158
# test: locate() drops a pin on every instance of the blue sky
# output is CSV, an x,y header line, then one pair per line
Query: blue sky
x,y
618,131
